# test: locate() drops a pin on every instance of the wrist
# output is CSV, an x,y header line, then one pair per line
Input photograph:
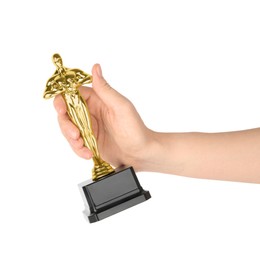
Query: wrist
x,y
160,154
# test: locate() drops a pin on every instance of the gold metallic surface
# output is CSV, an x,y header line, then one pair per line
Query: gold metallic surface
x,y
66,82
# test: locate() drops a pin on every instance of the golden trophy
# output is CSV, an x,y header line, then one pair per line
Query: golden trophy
x,y
110,190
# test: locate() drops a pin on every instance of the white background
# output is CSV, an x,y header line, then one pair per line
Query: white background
x,y
186,66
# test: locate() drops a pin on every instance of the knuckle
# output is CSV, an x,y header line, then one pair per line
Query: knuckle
x,y
107,86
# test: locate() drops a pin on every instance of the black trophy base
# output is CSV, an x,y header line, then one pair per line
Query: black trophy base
x,y
113,193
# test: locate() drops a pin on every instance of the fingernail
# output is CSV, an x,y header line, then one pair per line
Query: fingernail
x,y
61,111
88,155
99,71
74,135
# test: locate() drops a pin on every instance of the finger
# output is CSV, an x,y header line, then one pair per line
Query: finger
x,y
103,89
84,153
68,129
60,105
79,148
76,143
72,134
85,92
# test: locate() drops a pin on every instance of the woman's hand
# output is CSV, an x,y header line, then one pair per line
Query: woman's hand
x,y
120,132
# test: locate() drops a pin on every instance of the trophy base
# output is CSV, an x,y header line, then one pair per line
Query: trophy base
x,y
111,194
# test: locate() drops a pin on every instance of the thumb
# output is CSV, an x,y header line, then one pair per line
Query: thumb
x,y
105,92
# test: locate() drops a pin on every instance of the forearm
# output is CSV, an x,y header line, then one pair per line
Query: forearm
x,y
233,156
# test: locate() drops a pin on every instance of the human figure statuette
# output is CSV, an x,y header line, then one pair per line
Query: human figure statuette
x,y
66,82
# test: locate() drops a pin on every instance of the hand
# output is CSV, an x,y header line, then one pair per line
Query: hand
x,y
120,132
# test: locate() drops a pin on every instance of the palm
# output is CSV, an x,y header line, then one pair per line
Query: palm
x,y
118,128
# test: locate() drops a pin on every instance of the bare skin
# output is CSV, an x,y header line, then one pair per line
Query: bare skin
x,y
123,139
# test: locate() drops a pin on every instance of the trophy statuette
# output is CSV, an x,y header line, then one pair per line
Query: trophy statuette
x,y
110,190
